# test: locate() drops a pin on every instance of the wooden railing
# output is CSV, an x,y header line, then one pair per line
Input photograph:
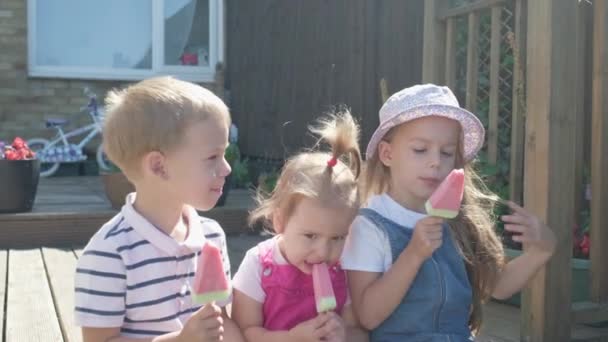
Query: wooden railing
x,y
556,100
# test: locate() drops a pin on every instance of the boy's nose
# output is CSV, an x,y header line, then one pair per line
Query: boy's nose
x,y
225,168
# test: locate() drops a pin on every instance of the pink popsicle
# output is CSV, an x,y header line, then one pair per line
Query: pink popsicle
x,y
210,281
324,291
445,201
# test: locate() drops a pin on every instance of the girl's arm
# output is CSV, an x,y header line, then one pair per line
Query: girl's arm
x,y
539,245
247,313
375,295
516,274
354,332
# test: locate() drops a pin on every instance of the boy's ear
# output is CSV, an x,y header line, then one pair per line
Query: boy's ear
x,y
278,223
385,153
154,164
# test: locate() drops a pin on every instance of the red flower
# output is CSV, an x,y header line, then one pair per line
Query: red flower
x,y
19,143
585,244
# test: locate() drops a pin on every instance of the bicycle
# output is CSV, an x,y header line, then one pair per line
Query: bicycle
x,y
59,150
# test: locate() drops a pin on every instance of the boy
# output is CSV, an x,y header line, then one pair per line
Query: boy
x,y
134,278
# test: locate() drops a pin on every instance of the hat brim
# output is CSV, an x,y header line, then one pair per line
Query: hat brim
x,y
472,128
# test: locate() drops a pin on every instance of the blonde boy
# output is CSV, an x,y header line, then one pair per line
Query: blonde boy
x,y
134,278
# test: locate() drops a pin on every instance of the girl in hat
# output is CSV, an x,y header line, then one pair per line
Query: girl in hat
x,y
416,277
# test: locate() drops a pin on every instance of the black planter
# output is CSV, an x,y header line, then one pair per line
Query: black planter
x,y
18,185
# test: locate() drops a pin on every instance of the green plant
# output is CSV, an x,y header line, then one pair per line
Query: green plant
x,y
232,154
240,173
268,181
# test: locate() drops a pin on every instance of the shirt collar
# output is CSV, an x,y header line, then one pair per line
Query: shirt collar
x,y
158,238
386,206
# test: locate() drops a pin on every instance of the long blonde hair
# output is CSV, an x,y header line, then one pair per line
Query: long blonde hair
x,y
472,230
329,177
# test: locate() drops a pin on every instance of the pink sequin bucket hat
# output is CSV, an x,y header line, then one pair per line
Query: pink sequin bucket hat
x,y
428,100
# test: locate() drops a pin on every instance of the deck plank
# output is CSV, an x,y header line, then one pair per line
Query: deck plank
x,y
3,272
30,313
60,265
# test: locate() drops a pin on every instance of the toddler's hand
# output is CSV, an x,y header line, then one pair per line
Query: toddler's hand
x,y
529,230
427,237
309,331
206,324
334,329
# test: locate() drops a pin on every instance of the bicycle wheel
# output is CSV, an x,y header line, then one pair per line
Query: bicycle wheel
x,y
37,145
102,160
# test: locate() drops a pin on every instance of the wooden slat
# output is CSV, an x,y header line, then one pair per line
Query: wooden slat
x,y
60,265
472,62
433,48
3,272
30,312
516,173
589,312
549,161
494,86
599,155
583,82
469,8
450,54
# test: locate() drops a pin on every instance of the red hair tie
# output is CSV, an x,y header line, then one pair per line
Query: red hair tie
x,y
332,162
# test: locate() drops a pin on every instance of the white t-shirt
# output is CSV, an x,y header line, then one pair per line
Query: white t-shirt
x,y
367,248
248,278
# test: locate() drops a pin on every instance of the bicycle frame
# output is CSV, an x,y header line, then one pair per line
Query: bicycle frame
x,y
94,129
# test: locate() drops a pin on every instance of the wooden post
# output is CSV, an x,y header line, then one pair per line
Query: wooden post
x,y
450,54
599,155
549,161
519,102
494,85
433,48
472,61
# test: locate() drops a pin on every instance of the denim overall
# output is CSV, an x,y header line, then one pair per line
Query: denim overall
x,y
438,302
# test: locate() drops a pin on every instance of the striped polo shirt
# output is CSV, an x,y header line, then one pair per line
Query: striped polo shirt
x,y
134,276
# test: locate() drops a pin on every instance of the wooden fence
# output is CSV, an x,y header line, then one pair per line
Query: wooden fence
x,y
552,42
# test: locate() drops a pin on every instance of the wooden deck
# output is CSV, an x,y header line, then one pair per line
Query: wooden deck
x,y
68,210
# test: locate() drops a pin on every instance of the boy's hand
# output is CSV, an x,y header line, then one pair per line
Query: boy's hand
x,y
427,237
206,324
334,329
309,331
529,230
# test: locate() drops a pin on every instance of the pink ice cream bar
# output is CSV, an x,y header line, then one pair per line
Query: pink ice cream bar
x,y
445,201
324,291
210,281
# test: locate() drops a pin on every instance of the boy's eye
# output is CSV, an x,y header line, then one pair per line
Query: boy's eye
x,y
339,238
215,156
311,236
419,150
447,154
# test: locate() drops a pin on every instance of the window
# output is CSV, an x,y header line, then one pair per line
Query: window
x,y
125,40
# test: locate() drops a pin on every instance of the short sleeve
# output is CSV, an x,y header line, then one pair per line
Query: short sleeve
x,y
366,248
248,278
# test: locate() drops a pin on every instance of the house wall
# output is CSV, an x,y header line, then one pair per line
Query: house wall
x,y
25,102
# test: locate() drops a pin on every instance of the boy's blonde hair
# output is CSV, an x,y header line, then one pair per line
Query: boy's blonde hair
x,y
153,115
311,174
472,229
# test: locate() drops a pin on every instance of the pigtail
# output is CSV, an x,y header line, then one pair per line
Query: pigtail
x,y
341,132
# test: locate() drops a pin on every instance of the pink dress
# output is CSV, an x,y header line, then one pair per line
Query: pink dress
x,y
290,298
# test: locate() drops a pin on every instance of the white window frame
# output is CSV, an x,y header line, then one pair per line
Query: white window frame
x,y
188,73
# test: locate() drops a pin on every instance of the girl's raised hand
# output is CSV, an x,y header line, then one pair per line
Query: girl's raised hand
x,y
529,230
